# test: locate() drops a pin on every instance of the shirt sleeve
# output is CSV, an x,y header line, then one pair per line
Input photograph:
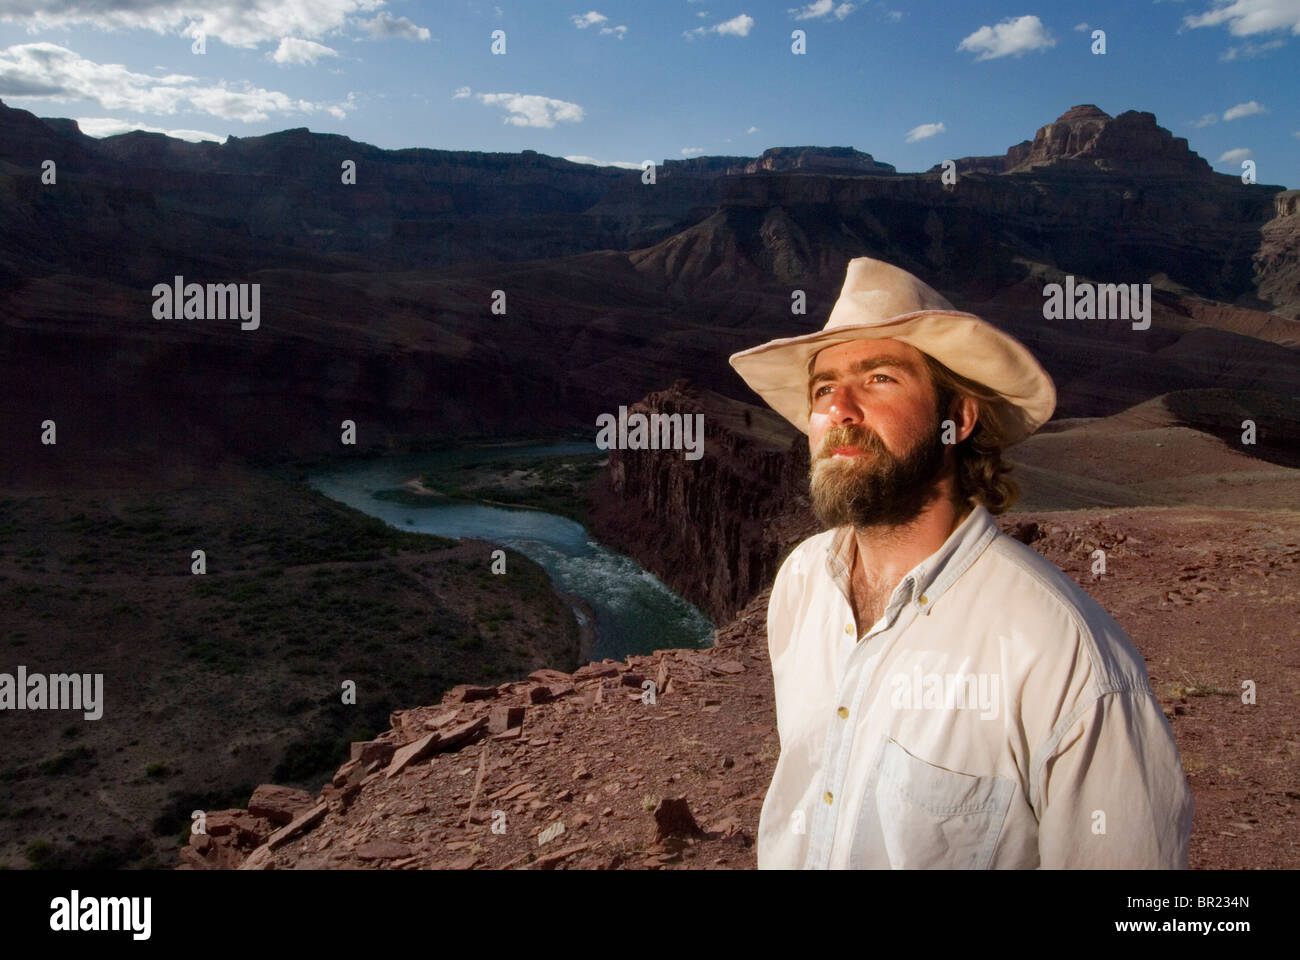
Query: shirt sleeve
x,y
1112,794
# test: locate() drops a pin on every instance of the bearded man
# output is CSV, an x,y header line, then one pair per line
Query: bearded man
x,y
945,696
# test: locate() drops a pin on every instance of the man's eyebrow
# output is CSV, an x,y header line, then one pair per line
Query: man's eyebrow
x,y
863,366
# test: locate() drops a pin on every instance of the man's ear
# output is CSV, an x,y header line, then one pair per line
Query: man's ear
x,y
964,413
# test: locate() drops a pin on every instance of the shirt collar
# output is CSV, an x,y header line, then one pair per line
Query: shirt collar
x,y
928,580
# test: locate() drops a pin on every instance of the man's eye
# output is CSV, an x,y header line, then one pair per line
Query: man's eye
x,y
882,376
820,391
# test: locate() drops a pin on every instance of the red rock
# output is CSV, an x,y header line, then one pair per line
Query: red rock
x,y
466,733
539,694
240,826
594,670
510,792
412,752
305,820
350,772
551,859
366,752
731,666
279,804
466,693
549,676
726,827
502,719
194,859
673,818
382,850
632,680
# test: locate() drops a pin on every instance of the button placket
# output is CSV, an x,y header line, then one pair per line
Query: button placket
x,y
839,749
842,735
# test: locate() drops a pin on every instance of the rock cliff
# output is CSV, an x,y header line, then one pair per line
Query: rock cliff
x,y
715,529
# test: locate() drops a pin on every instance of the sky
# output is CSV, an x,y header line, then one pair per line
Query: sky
x,y
911,82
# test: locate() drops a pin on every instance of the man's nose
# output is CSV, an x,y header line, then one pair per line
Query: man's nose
x,y
844,408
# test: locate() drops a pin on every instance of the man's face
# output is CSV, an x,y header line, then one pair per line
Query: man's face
x,y
874,434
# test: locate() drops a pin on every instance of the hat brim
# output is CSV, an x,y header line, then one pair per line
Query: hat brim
x,y
964,343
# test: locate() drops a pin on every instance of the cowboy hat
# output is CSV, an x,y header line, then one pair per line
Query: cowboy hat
x,y
880,301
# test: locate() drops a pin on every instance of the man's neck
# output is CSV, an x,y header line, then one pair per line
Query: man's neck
x,y
884,554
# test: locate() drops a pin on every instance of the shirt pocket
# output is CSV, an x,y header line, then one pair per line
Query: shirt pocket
x,y
931,818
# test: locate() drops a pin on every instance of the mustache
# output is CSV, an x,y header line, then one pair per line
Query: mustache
x,y
849,435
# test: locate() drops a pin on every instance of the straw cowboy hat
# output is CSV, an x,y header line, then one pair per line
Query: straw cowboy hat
x,y
880,301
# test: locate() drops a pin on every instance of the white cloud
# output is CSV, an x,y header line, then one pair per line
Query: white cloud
x,y
738,26
1081,27
923,132
626,164
461,93
1247,109
591,18
46,71
531,110
1236,155
1012,37
692,151
241,23
820,9
385,26
294,50
752,130
1207,120
1248,17
1250,50
110,127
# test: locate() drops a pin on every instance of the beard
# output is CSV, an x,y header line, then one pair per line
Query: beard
x,y
875,488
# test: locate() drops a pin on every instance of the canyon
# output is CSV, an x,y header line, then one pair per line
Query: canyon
x,y
376,306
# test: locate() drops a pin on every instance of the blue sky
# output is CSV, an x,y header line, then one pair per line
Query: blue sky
x,y
912,82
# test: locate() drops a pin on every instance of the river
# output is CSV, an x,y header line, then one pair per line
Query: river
x,y
635,612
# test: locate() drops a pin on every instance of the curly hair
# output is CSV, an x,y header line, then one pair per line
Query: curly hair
x,y
981,474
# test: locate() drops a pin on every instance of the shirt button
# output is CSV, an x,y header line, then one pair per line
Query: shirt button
x,y
827,796
924,600
848,628
843,712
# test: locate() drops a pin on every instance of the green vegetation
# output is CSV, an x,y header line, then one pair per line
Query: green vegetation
x,y
557,484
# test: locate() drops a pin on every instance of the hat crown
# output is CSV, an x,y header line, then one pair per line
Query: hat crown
x,y
878,292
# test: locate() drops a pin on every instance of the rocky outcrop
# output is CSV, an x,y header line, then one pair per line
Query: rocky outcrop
x,y
823,160
1087,138
714,529
539,792
1277,261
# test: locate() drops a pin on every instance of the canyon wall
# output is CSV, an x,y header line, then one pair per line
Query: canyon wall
x,y
714,529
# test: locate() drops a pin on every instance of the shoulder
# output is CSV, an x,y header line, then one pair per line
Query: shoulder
x,y
1041,599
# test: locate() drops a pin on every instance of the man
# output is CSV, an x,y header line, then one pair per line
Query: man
x,y
945,697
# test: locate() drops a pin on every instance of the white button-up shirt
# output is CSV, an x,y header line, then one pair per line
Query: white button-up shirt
x,y
994,717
